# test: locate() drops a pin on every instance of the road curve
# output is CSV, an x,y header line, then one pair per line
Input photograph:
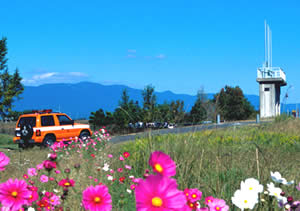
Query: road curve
x,y
132,137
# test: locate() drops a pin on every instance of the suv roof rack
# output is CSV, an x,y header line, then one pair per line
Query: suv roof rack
x,y
44,111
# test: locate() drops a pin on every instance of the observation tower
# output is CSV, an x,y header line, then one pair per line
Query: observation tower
x,y
270,80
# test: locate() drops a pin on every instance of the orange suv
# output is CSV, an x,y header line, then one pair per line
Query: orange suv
x,y
46,127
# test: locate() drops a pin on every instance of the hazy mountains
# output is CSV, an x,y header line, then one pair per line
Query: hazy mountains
x,y
79,100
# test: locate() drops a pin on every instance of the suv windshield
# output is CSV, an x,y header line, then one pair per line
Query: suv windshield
x,y
27,120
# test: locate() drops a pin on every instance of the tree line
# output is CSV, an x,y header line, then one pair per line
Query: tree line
x,y
230,103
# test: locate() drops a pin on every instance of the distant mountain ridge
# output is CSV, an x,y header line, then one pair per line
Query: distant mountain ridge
x,y
80,99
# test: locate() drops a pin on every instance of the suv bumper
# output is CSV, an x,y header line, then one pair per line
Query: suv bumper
x,y
21,141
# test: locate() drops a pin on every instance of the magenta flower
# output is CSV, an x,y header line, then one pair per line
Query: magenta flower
x,y
162,163
40,166
49,165
44,178
32,172
96,198
194,195
14,194
121,158
66,183
54,200
209,200
218,205
4,161
158,192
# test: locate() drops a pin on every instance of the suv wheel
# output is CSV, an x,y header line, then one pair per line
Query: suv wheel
x,y
48,141
84,136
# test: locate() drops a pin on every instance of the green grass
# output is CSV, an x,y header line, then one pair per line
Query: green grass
x,y
214,161
6,139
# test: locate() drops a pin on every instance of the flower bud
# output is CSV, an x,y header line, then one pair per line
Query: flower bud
x,y
67,171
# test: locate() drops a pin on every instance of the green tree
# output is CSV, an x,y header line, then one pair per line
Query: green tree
x,y
149,103
97,119
232,104
198,112
10,85
177,111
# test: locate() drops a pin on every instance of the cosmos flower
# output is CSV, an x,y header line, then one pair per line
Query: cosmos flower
x,y
4,161
276,177
14,194
158,192
244,199
252,184
96,198
162,163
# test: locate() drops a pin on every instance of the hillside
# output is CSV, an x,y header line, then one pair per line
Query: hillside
x,y
79,100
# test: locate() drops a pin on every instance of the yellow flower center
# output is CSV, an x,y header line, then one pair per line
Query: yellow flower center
x,y
250,188
67,184
157,202
245,201
194,196
97,199
208,200
158,168
14,193
217,208
187,194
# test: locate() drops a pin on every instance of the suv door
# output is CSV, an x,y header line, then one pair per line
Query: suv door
x,y
66,125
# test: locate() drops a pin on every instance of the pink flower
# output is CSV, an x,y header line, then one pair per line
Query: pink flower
x,y
14,194
298,187
218,205
57,171
54,200
33,196
32,172
132,187
40,166
110,155
4,161
158,192
127,167
49,165
44,178
209,200
120,169
194,195
96,198
121,158
162,163
66,183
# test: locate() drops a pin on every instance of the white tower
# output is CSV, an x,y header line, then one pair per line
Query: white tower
x,y
270,80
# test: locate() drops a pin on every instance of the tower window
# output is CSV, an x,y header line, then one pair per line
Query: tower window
x,y
267,89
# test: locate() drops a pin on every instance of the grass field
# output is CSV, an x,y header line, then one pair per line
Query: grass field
x,y
214,161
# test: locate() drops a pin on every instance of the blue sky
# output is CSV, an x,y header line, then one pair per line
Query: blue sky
x,y
174,45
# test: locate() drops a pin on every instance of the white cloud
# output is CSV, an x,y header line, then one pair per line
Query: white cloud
x,y
55,77
131,56
131,51
161,56
43,76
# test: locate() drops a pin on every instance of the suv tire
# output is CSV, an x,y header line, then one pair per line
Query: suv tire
x,y
48,141
84,135
26,132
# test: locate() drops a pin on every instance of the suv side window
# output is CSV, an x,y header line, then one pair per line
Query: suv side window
x,y
47,121
64,120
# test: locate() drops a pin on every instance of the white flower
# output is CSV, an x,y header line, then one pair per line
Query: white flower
x,y
252,185
276,177
110,177
44,192
31,209
55,191
244,199
274,191
128,190
106,167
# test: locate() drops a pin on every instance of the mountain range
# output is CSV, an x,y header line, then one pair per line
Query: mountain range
x,y
80,99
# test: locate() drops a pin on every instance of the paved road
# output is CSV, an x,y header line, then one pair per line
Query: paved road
x,y
132,137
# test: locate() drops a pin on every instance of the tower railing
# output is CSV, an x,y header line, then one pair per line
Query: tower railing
x,y
271,72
